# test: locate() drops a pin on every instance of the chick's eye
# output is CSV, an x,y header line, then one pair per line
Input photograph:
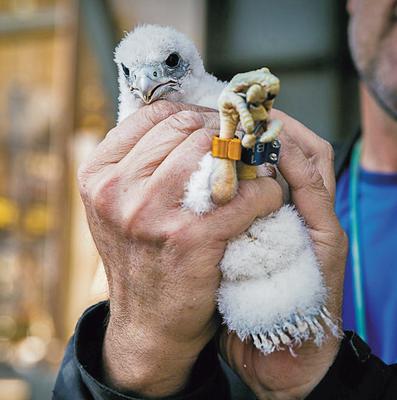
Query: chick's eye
x,y
125,70
172,60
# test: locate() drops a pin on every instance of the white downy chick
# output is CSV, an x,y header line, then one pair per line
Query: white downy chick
x,y
272,289
157,62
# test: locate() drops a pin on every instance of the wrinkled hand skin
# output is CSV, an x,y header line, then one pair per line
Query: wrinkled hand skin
x,y
160,260
307,165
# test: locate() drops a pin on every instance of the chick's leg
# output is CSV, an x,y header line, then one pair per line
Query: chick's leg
x,y
248,99
223,180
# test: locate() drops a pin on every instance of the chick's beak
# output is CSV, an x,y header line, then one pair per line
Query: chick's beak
x,y
146,81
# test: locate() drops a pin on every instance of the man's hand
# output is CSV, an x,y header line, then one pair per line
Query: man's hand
x,y
160,260
307,165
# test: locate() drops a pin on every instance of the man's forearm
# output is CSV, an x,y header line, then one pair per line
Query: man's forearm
x,y
139,361
83,371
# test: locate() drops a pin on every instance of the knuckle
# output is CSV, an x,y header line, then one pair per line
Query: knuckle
x,y
339,238
267,188
177,232
114,131
161,108
103,196
314,177
344,241
82,179
185,121
155,112
341,242
277,193
81,173
132,223
273,193
140,222
211,120
328,151
203,140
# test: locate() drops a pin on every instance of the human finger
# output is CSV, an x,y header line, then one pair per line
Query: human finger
x,y
308,190
255,198
161,140
121,139
177,168
313,146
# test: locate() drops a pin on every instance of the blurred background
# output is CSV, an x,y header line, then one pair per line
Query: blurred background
x,y
58,99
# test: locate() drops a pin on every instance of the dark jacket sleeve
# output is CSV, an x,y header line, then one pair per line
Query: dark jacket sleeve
x,y
80,374
356,374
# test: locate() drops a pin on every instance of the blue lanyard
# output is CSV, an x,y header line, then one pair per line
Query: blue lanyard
x,y
358,288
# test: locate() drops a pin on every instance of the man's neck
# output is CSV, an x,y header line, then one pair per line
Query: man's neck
x,y
379,132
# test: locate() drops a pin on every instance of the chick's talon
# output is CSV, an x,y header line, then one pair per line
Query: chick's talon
x,y
272,132
248,141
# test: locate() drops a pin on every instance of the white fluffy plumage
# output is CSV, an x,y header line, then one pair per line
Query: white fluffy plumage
x,y
151,45
263,275
272,289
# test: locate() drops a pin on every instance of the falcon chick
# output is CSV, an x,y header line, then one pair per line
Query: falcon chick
x,y
272,289
156,62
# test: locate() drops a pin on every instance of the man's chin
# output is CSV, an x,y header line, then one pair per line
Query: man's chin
x,y
386,100
382,84
384,81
